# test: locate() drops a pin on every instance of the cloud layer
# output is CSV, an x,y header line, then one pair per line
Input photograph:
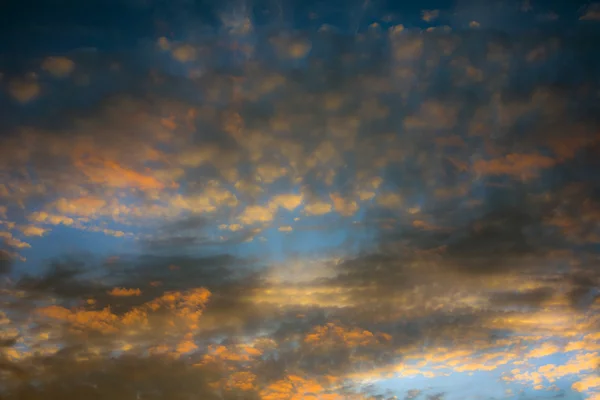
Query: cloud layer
x,y
391,208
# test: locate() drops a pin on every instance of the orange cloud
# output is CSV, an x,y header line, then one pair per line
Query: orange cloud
x,y
519,165
83,206
351,337
183,311
242,380
60,67
343,206
317,208
294,387
103,321
288,201
122,292
112,174
44,217
31,230
566,146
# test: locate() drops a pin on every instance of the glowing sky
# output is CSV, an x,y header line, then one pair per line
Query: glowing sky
x,y
323,200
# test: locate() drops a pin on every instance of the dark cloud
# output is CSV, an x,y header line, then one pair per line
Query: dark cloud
x,y
531,298
61,377
5,262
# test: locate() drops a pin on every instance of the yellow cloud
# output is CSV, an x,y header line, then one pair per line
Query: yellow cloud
x,y
44,217
343,206
429,15
31,230
232,227
269,173
286,228
83,206
586,383
208,201
544,350
255,213
317,208
11,241
288,201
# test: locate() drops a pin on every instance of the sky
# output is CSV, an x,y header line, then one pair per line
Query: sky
x,y
279,200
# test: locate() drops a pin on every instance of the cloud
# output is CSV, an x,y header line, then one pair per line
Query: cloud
x,y
184,53
60,67
440,186
520,165
24,90
125,292
317,208
288,201
430,15
254,213
31,230
343,206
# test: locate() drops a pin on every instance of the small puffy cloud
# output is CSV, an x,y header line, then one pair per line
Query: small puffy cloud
x,y
184,53
60,67
345,207
52,219
544,350
11,241
255,213
317,208
292,47
83,206
209,200
24,90
32,230
232,227
269,173
390,200
430,15
474,24
288,201
285,228
123,292
299,49
163,43
396,29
